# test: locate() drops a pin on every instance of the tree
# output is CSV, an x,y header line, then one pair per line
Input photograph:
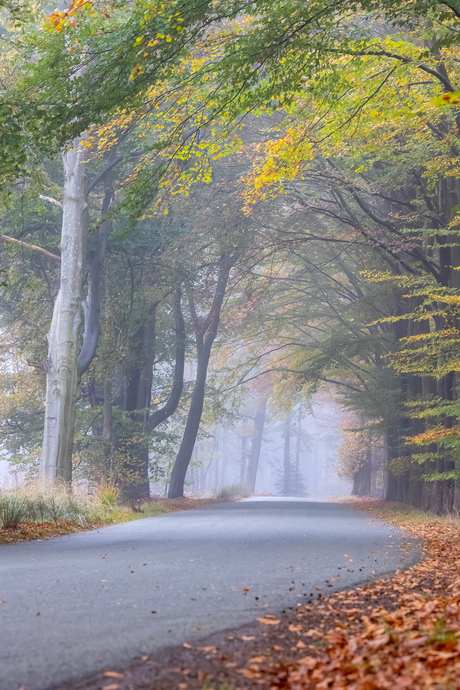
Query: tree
x,y
256,441
205,334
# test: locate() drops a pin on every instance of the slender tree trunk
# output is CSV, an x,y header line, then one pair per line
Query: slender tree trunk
x,y
244,452
298,446
61,364
254,453
216,461
161,415
205,334
287,490
176,486
135,466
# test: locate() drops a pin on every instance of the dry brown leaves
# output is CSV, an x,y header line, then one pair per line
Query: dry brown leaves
x,y
402,632
32,531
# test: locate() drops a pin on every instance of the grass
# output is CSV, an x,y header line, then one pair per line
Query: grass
x,y
30,512
404,515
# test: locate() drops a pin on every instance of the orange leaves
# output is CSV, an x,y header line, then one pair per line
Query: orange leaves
x,y
452,98
269,621
68,17
406,633
434,435
295,628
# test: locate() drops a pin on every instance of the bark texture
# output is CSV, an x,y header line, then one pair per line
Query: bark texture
x,y
61,364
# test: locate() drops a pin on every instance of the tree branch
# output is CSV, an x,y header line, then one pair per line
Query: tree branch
x,y
51,200
33,247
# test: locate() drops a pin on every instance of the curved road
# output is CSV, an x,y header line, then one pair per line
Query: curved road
x,y
76,604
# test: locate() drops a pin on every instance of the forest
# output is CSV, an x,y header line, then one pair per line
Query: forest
x,y
217,217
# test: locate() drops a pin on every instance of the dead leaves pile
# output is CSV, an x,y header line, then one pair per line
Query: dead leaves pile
x,y
402,632
399,632
33,531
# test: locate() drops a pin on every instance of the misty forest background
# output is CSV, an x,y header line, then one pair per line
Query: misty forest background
x,y
230,247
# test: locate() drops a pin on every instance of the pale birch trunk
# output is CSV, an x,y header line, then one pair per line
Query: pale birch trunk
x,y
61,365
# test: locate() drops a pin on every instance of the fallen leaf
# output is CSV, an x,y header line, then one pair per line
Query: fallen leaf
x,y
268,621
113,674
248,673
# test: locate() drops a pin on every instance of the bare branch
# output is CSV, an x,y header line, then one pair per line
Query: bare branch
x,y
33,247
51,200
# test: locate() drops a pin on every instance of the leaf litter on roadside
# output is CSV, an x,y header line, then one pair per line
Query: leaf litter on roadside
x,y
399,632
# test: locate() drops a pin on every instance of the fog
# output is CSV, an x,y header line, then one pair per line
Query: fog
x,y
221,456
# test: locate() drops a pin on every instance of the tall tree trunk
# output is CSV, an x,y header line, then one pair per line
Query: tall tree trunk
x,y
216,459
92,304
162,414
298,478
254,453
137,398
362,479
176,485
244,453
287,474
61,364
206,331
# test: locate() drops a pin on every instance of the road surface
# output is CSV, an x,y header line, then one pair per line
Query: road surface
x,y
79,603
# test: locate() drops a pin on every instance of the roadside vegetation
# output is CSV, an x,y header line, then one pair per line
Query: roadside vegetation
x,y
29,511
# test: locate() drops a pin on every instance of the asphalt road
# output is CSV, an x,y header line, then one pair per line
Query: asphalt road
x,y
76,604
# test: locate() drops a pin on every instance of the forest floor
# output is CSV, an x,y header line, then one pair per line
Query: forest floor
x,y
402,631
31,531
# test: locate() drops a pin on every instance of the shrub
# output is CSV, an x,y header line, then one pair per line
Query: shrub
x,y
109,495
238,490
13,510
34,503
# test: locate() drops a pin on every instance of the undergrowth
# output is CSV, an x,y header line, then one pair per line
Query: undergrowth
x,y
32,503
30,511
